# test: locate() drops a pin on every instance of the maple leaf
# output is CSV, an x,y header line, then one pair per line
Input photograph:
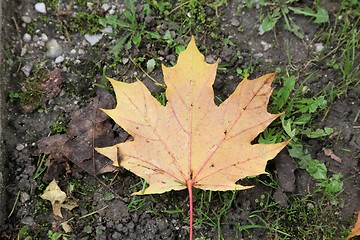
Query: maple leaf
x,y
192,142
356,229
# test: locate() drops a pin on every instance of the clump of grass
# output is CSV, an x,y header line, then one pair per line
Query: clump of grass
x,y
303,219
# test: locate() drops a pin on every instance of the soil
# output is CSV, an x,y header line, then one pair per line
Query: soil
x,y
105,208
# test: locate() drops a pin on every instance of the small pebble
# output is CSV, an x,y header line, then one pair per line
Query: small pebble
x,y
23,51
81,51
116,235
35,38
73,51
235,22
319,47
28,220
310,206
261,31
131,225
105,7
24,197
53,49
59,59
93,39
20,146
258,55
107,30
26,19
90,5
266,45
125,60
27,37
44,37
40,7
26,69
209,59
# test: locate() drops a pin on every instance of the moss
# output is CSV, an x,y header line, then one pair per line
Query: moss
x,y
53,4
83,23
60,126
31,27
42,207
32,95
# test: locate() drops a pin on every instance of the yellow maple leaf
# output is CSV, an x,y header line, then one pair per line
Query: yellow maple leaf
x,y
192,139
192,142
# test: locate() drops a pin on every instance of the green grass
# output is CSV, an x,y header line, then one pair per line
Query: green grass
x,y
341,50
273,11
303,219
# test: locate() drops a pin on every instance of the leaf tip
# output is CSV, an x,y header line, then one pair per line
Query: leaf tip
x,y
111,80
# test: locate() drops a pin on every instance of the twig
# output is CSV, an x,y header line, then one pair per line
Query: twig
x,y
92,213
14,205
176,8
156,82
17,31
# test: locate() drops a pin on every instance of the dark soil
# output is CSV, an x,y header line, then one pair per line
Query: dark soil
x,y
105,208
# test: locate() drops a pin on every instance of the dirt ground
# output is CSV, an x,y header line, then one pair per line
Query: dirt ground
x,y
62,129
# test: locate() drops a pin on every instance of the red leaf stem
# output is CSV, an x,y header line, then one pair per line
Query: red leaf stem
x,y
190,184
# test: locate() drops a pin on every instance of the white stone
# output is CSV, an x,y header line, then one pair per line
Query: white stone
x,y
40,7
319,47
73,51
266,45
93,39
53,49
111,11
105,7
90,5
108,29
261,31
23,51
235,22
35,38
27,37
26,19
44,37
59,59
81,51
20,147
24,197
26,69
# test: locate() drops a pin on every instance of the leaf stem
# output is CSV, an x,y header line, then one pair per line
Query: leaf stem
x,y
190,184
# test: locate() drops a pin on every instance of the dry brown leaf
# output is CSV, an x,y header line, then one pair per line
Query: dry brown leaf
x,y
57,198
192,141
329,153
356,230
66,227
88,127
